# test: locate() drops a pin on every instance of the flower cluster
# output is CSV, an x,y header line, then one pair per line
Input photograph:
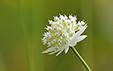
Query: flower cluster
x,y
63,32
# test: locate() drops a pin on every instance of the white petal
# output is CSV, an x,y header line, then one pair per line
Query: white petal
x,y
66,49
79,38
59,52
80,31
59,49
49,50
72,43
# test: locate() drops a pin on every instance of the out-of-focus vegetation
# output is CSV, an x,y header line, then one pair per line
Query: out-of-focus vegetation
x,y
22,24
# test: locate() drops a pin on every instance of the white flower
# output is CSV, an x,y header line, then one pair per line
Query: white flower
x,y
63,32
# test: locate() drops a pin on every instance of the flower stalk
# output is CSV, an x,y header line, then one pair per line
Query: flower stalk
x,y
80,58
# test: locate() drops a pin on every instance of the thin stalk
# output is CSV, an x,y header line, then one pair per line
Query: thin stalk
x,y
81,59
25,27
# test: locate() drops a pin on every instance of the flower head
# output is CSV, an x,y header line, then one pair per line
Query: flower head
x,y
63,32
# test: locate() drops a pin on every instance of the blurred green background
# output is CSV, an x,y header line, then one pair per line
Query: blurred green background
x,y
22,24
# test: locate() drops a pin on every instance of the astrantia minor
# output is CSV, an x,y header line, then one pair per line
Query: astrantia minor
x,y
63,32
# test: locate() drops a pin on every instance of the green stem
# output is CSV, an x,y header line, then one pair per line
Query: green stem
x,y
81,59
26,31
